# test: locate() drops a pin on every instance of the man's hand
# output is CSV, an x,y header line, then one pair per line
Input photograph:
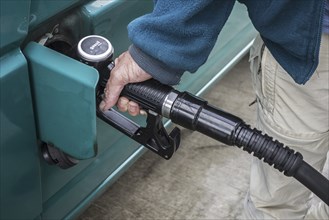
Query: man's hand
x,y
126,71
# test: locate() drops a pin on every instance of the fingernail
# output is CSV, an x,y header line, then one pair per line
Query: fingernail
x,y
124,101
142,112
133,110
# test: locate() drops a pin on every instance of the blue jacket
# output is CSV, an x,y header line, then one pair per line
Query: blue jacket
x,y
179,35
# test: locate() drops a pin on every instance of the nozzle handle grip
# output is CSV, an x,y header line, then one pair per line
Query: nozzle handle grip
x,y
150,94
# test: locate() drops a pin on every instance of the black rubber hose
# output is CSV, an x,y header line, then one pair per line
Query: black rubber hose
x,y
313,180
283,158
264,147
194,113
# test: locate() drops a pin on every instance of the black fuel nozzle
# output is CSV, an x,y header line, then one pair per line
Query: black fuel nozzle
x,y
97,51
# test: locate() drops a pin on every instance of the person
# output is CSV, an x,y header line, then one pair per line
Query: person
x,y
289,63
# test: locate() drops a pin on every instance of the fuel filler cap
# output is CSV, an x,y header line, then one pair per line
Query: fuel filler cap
x,y
94,48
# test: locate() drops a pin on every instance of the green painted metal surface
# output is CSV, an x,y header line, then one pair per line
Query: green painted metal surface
x,y
41,10
20,191
66,190
110,19
64,101
14,23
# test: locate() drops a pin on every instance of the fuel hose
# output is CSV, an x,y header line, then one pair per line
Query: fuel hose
x,y
196,114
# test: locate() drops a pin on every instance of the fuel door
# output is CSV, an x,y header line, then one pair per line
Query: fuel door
x,y
63,91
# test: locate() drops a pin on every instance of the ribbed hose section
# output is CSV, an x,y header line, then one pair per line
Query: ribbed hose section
x,y
284,159
262,146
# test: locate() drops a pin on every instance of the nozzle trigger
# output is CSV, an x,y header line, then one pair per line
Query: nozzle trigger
x,y
153,136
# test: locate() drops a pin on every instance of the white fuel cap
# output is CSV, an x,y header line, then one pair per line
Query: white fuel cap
x,y
94,48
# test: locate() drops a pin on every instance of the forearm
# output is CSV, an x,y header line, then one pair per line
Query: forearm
x,y
177,36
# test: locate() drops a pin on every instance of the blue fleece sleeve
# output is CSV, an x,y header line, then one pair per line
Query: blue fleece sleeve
x,y
177,36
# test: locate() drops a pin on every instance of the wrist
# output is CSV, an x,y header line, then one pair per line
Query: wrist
x,y
158,70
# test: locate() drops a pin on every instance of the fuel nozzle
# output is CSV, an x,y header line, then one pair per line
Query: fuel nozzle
x,y
97,51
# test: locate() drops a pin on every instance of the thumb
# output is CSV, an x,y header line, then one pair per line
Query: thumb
x,y
112,91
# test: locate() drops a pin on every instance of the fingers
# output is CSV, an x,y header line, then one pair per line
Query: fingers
x,y
132,107
123,104
114,86
126,71
112,91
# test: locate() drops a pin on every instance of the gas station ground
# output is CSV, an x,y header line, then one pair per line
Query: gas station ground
x,y
205,179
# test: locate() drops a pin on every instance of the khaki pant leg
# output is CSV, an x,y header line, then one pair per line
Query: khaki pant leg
x,y
296,115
